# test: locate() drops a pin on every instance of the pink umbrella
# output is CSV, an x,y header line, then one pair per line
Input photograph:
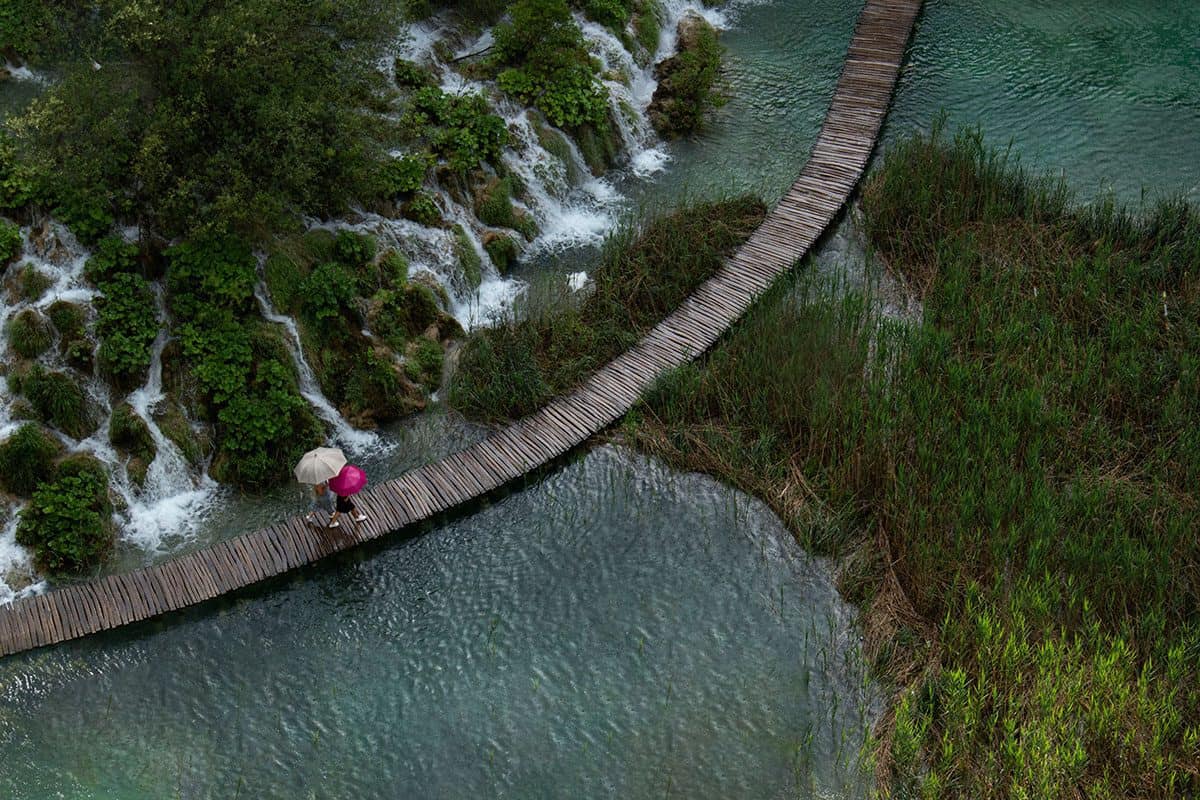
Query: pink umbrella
x,y
350,480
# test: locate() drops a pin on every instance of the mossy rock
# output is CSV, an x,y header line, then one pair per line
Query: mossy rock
x,y
501,249
469,262
600,145
316,246
393,269
130,434
196,447
29,333
137,468
556,144
32,283
375,390
437,291
647,27
22,409
80,354
410,75
398,315
284,274
493,203
685,80
59,401
27,459
67,318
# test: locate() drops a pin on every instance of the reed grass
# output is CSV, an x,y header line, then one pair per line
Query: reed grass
x,y
1011,481
557,339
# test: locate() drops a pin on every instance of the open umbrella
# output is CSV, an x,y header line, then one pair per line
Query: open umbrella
x,y
318,466
350,480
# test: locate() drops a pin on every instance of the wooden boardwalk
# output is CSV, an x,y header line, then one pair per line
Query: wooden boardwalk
x,y
839,156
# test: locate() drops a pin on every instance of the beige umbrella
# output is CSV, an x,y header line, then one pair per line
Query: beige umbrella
x,y
318,466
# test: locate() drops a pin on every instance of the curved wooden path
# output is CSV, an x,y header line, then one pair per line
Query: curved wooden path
x,y
838,159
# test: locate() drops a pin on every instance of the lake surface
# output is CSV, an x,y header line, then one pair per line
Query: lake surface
x,y
615,630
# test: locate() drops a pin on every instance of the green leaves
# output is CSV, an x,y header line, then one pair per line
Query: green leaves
x,y
68,522
458,128
127,327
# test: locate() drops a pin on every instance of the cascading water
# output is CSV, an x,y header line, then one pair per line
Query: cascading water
x,y
344,433
173,498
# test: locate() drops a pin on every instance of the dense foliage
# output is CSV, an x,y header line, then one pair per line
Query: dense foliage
x,y
510,370
127,327
68,523
231,115
686,81
26,459
1018,471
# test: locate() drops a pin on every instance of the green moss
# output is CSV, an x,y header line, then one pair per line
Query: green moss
x,y
68,319
29,333
27,459
502,250
353,249
174,425
393,269
58,400
79,354
647,28
284,277
599,144
399,315
130,433
469,262
686,81
316,246
32,283
410,75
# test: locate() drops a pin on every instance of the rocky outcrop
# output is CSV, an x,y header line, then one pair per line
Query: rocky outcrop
x,y
685,80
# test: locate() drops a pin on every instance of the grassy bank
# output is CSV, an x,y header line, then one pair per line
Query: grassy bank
x,y
1011,482
512,369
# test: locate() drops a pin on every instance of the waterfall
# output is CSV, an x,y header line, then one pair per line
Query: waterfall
x,y
344,434
172,501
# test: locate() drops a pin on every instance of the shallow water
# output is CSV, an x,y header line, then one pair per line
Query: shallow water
x,y
616,630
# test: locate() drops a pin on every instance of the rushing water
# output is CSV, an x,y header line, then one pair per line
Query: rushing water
x,y
616,630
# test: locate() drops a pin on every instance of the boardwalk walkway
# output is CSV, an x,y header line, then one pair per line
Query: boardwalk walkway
x,y
841,152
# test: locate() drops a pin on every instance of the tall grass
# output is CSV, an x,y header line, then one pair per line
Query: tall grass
x,y
1013,481
512,369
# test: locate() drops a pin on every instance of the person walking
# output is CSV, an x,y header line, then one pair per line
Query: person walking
x,y
348,482
322,500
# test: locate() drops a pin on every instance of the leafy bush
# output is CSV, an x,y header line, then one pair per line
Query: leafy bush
x,y
424,362
404,174
545,63
218,348
686,80
58,401
127,327
10,242
27,459
423,210
211,272
353,249
412,76
29,333
393,269
610,13
459,128
68,523
397,315
111,256
328,292
18,184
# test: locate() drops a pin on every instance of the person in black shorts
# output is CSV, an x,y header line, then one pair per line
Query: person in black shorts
x,y
345,505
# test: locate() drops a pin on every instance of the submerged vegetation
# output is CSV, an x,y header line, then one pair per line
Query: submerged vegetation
x,y
1011,480
512,369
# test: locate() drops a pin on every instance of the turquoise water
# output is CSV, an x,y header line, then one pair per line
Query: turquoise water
x,y
616,630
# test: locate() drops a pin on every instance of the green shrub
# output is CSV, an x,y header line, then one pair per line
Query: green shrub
x,y
546,63
647,26
316,246
686,81
68,523
10,242
610,13
393,269
18,185
215,272
29,333
459,128
328,292
495,207
58,401
130,433
353,249
127,326
32,283
218,348
424,362
111,256
398,315
27,459
412,76
404,174
421,209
